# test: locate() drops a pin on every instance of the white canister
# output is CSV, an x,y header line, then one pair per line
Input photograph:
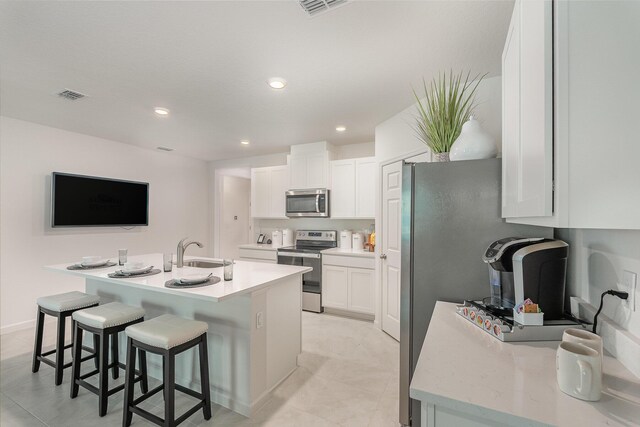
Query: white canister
x,y
287,237
345,239
357,242
276,238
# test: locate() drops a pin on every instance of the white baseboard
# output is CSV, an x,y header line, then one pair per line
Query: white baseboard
x,y
623,345
21,326
350,314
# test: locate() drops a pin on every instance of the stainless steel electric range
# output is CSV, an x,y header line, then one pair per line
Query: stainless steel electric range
x,y
306,252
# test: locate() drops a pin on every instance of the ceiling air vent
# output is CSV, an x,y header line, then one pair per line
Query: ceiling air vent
x,y
316,7
71,95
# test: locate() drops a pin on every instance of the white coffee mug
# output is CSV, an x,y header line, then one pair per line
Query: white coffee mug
x,y
579,371
582,336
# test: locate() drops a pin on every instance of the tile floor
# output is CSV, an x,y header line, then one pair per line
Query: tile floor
x,y
348,376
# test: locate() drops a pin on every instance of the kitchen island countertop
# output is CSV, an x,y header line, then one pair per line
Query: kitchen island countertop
x,y
247,277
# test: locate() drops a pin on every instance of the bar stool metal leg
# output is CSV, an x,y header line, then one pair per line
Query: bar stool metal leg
x,y
59,369
115,370
169,378
204,377
77,359
37,350
129,384
144,383
103,375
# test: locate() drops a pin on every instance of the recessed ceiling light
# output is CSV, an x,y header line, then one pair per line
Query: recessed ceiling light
x,y
161,111
341,128
277,83
244,142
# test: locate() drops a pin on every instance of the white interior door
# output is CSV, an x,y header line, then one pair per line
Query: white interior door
x,y
390,254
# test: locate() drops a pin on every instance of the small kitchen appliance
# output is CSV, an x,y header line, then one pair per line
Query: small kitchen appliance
x,y
287,237
531,268
276,238
307,203
357,242
345,239
306,252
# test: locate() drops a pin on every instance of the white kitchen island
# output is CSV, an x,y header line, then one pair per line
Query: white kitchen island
x,y
254,335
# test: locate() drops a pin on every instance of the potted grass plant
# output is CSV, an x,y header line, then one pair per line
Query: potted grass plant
x,y
448,102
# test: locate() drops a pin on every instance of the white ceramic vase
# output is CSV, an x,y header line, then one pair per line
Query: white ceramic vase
x,y
473,143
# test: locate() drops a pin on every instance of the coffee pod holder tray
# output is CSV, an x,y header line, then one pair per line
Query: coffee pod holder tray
x,y
508,329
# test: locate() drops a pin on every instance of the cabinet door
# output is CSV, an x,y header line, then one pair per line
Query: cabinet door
x,y
343,188
361,290
527,111
298,171
317,170
279,185
260,192
366,178
334,287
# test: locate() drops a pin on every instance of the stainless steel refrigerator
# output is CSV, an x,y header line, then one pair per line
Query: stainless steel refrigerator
x,y
451,212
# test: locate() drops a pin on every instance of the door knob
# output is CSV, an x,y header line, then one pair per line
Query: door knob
x,y
383,256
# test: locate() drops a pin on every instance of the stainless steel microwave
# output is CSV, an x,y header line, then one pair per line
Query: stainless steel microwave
x,y
308,203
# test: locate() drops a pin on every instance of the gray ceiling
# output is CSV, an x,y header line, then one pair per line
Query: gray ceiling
x,y
208,62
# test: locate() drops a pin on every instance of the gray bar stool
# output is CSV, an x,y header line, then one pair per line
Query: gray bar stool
x,y
103,322
59,306
167,335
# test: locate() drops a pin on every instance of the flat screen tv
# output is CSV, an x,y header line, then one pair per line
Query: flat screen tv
x,y
90,201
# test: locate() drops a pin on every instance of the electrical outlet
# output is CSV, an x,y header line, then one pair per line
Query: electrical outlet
x,y
629,283
259,320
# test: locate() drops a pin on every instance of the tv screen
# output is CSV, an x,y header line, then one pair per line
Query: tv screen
x,y
89,201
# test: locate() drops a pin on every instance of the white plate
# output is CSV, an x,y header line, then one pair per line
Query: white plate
x,y
95,263
137,270
192,279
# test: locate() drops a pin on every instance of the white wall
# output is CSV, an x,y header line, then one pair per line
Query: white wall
x,y
396,137
266,226
597,259
178,207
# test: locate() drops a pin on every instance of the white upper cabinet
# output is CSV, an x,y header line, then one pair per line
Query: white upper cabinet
x,y
309,166
343,188
366,179
268,187
527,137
353,186
582,122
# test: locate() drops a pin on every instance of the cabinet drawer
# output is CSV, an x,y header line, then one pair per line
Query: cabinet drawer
x,y
349,261
258,255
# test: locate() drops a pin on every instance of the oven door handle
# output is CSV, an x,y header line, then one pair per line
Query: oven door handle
x,y
317,203
298,255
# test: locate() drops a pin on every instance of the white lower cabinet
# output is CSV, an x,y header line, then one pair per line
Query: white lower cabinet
x,y
348,288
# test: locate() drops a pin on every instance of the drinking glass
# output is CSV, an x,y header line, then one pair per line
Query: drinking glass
x,y
228,269
122,256
167,261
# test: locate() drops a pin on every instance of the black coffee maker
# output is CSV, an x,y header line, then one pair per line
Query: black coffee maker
x,y
534,268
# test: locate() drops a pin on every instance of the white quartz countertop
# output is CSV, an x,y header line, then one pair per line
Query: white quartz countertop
x,y
463,368
247,277
348,252
259,246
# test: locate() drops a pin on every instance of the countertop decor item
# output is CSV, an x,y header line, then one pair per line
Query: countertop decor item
x,y
473,143
448,102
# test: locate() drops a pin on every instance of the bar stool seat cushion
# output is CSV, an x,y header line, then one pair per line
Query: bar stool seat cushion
x,y
67,301
166,331
108,315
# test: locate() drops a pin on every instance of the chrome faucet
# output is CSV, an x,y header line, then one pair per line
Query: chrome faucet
x,y
182,246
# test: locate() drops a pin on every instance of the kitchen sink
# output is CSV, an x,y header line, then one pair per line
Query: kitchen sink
x,y
199,263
